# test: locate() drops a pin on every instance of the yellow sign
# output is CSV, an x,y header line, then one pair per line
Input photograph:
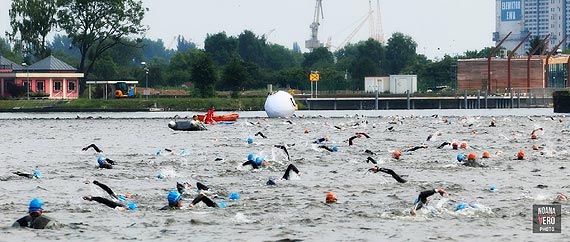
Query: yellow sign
x,y
314,76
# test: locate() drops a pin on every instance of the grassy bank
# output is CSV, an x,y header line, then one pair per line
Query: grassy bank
x,y
169,104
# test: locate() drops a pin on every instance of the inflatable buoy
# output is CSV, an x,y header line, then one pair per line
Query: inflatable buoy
x,y
280,105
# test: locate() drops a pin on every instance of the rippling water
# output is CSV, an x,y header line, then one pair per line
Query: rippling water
x,y
371,207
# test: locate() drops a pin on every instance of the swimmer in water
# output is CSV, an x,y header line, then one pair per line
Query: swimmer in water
x,y
256,162
357,135
260,134
284,150
333,149
423,199
109,203
105,162
35,174
415,148
321,140
290,168
35,218
493,123
371,160
533,134
106,188
396,177
92,146
174,201
443,145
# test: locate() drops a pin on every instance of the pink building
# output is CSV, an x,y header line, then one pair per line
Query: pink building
x,y
51,76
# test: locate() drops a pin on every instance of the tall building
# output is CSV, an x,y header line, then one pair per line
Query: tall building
x,y
539,17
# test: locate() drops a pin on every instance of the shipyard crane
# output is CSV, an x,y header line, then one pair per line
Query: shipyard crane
x,y
375,27
314,42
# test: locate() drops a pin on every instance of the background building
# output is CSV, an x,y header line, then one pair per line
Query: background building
x,y
539,17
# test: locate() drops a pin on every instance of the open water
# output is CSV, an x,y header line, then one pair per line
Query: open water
x,y
371,207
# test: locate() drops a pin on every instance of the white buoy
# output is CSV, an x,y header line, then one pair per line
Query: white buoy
x,y
280,105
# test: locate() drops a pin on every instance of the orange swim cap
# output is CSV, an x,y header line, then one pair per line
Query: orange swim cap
x,y
471,156
454,145
520,155
330,198
486,154
396,155
534,147
463,145
307,131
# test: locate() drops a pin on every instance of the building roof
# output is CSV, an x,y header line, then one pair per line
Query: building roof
x,y
51,63
4,61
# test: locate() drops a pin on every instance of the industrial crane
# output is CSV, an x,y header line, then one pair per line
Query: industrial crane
x,y
314,42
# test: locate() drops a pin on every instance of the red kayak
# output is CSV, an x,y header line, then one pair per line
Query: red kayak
x,y
221,118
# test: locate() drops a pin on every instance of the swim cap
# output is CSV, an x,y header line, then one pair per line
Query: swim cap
x,y
463,145
454,145
258,160
222,205
461,206
534,147
249,140
100,160
396,154
159,176
533,136
520,155
471,156
158,152
37,174
460,157
330,198
307,131
173,197
35,205
131,206
250,156
122,198
234,196
335,148
486,154
492,188
271,182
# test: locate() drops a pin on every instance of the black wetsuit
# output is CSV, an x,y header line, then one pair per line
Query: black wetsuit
x,y
94,147
422,198
107,202
35,222
416,148
289,168
106,188
170,207
108,164
252,163
203,198
320,140
326,148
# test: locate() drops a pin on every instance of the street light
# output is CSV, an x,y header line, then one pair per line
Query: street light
x,y
146,76
28,79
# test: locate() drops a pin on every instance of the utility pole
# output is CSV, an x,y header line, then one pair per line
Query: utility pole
x,y
145,68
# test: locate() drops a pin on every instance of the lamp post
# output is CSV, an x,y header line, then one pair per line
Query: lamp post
x,y
146,77
28,80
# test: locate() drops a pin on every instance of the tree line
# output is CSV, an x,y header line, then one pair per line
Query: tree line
x,y
104,39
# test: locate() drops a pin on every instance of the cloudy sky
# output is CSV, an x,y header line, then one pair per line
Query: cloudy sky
x,y
438,26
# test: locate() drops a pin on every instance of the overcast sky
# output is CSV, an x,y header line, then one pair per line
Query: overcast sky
x,y
438,26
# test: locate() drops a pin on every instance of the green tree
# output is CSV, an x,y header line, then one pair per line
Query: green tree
x,y
6,51
234,76
31,22
95,26
180,65
221,47
318,57
534,42
252,48
400,51
203,75
183,44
